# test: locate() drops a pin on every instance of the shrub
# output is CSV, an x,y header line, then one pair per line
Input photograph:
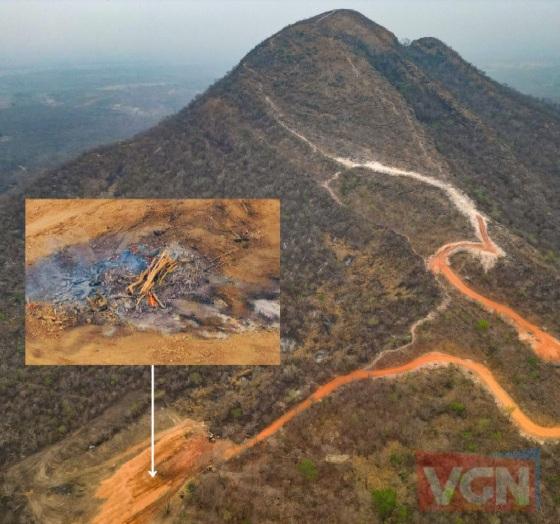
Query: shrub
x,y
385,501
471,447
551,256
482,325
457,407
402,513
236,412
533,362
308,469
195,378
188,491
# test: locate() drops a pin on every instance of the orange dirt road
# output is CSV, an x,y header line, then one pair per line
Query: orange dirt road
x,y
544,345
482,373
132,496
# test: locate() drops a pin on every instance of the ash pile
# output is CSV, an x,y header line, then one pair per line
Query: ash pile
x,y
136,286
164,287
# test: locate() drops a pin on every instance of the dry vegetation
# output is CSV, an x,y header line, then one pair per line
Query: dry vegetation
x,y
536,292
355,445
350,288
430,220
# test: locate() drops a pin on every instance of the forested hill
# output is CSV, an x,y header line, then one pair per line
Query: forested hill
x,y
354,279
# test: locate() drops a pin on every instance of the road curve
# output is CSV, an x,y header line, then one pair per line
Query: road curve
x,y
433,359
544,345
131,496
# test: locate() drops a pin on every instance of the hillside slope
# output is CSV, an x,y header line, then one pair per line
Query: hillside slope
x,y
354,246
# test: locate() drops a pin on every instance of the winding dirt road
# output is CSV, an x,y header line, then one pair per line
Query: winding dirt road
x,y
544,345
434,359
131,496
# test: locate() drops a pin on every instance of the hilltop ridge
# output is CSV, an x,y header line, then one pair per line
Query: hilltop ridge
x,y
350,85
363,139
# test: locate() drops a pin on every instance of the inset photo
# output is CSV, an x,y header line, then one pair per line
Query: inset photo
x,y
134,281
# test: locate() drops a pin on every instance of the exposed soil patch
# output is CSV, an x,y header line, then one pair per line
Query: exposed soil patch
x,y
184,458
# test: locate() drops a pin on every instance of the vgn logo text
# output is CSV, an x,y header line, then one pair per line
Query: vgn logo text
x,y
463,482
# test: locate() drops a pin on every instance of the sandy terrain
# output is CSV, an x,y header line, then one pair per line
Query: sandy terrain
x,y
88,345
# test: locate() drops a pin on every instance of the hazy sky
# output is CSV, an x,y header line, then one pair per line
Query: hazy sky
x,y
220,33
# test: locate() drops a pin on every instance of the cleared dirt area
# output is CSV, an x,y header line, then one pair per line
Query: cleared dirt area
x,y
91,464
133,496
130,495
152,281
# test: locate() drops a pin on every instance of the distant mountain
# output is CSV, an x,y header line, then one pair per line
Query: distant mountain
x,y
49,116
540,79
354,278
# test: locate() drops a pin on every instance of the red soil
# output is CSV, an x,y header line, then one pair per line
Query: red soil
x,y
132,496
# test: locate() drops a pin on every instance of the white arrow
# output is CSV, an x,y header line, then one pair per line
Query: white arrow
x,y
152,471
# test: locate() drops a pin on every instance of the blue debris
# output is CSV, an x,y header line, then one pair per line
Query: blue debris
x,y
70,276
